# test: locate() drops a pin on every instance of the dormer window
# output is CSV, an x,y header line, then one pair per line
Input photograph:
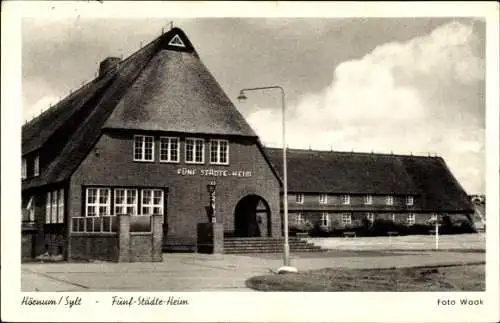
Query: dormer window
x,y
36,166
409,200
23,168
389,200
346,199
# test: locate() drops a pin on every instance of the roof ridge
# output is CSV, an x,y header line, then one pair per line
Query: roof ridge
x,y
351,152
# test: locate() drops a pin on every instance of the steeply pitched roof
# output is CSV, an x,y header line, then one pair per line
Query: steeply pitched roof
x,y
149,90
367,173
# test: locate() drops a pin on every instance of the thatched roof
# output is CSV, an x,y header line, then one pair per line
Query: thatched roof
x,y
377,174
160,87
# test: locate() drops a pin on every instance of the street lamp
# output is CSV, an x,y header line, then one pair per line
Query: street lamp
x,y
242,97
211,192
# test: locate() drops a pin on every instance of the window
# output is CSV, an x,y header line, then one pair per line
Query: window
x,y
370,216
299,219
409,200
53,217
393,217
368,199
411,219
346,218
36,166
323,198
60,206
169,149
98,202
299,198
125,201
389,200
48,205
325,219
346,199
30,207
152,202
23,168
143,148
219,152
195,151
54,207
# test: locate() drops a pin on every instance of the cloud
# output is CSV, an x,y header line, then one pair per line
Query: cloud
x,y
41,105
421,96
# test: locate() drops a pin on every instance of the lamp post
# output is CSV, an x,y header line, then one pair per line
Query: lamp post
x,y
242,97
211,192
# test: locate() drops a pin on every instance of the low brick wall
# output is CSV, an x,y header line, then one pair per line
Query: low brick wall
x,y
94,246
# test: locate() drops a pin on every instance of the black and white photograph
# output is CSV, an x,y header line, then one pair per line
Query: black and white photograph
x,y
167,157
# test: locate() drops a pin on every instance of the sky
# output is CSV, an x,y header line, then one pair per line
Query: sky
x,y
400,85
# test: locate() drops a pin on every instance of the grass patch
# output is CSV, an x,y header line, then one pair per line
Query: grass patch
x,y
419,279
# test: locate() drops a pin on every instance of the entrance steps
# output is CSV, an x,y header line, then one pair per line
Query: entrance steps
x,y
267,245
243,245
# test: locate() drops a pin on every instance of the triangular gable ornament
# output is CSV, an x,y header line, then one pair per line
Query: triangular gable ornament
x,y
176,41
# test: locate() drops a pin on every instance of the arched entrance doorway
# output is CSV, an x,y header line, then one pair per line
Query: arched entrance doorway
x,y
252,217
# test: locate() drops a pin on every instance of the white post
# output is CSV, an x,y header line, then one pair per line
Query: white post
x,y
437,233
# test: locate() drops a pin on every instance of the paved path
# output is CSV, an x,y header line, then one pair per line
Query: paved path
x,y
198,272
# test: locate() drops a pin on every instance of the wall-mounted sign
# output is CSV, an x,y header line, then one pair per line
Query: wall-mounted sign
x,y
214,172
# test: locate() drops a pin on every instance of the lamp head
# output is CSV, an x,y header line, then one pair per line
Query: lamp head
x,y
242,97
211,187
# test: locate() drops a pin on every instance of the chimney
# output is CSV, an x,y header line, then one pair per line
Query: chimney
x,y
108,64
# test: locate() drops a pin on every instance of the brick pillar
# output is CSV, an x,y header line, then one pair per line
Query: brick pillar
x,y
124,238
157,236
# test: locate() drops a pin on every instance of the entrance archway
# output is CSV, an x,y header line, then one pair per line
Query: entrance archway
x,y
252,217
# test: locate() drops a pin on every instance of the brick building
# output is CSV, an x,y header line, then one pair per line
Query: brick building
x,y
146,137
339,188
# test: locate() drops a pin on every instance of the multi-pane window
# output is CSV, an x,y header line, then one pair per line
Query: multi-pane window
x,y
370,216
48,207
346,199
389,200
346,218
23,168
299,218
411,219
36,166
409,200
125,201
299,198
60,206
368,199
323,199
143,148
195,151
30,208
219,151
152,201
169,149
98,202
325,219
54,207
